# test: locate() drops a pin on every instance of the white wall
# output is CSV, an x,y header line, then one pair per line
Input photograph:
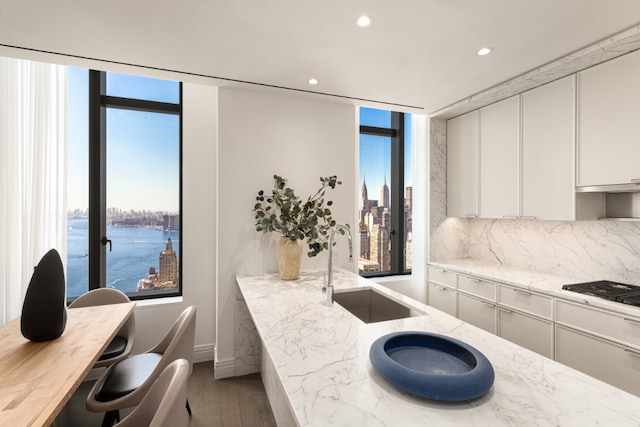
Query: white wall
x,y
260,135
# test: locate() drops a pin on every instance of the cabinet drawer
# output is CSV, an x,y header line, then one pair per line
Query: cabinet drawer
x,y
479,287
609,362
608,325
442,298
526,301
530,332
477,312
443,277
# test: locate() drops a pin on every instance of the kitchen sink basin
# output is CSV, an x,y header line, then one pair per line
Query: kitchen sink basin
x,y
370,306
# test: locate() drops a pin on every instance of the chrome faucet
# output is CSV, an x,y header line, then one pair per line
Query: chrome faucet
x,y
328,288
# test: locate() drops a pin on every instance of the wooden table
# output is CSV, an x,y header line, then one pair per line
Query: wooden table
x,y
37,379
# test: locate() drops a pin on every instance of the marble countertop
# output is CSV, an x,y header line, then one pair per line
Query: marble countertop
x,y
321,355
534,281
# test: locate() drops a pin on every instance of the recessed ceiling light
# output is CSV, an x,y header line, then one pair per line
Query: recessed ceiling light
x,y
364,21
484,51
313,81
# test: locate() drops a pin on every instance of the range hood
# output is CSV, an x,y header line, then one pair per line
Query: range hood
x,y
631,187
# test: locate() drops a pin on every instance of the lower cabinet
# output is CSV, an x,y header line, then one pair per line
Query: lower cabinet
x,y
530,332
610,362
601,343
442,298
477,312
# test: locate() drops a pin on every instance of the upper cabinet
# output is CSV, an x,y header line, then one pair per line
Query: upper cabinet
x,y
499,159
547,150
609,122
525,146
462,166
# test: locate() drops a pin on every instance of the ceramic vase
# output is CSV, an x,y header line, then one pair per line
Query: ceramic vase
x,y
44,312
289,258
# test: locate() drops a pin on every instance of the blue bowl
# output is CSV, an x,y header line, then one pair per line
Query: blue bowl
x,y
432,366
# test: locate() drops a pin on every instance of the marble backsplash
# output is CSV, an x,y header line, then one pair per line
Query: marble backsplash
x,y
586,250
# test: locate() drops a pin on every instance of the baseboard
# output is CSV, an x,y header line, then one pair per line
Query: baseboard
x,y
224,368
203,353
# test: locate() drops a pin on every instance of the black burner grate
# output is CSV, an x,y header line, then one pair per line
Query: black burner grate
x,y
612,291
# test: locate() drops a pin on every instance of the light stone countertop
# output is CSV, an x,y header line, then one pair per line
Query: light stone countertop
x,y
321,359
534,281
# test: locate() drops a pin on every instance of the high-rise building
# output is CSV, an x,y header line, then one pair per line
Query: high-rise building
x,y
365,203
379,243
384,195
168,263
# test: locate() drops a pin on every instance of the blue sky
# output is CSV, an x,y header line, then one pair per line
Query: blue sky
x,y
375,152
142,149
142,166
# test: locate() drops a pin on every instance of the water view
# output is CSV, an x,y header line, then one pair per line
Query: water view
x,y
135,250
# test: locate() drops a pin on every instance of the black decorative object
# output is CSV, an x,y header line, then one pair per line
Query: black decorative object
x,y
44,314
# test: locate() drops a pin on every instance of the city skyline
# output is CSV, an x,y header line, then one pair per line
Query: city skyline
x,y
375,151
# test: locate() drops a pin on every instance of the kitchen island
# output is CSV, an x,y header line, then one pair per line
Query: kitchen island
x,y
316,368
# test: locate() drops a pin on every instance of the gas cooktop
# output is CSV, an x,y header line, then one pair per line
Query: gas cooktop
x,y
612,291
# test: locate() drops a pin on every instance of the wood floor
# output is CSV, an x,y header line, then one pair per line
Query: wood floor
x,y
229,402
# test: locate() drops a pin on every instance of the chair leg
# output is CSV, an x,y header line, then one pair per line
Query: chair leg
x,y
110,418
188,407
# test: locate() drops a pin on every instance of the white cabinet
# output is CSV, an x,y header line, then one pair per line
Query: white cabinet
x,y
462,166
611,326
478,287
600,343
530,332
613,363
441,292
443,298
548,190
525,318
527,301
499,159
608,125
477,311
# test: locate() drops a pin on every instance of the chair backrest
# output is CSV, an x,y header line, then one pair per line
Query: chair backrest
x,y
105,296
178,342
164,405
100,296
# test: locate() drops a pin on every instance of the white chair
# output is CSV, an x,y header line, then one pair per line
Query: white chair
x,y
125,383
163,405
120,347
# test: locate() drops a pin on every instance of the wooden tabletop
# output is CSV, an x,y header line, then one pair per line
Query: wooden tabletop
x,y
37,379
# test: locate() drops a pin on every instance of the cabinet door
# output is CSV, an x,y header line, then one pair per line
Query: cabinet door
x,y
462,165
547,151
614,364
478,312
524,300
608,125
530,332
499,159
442,298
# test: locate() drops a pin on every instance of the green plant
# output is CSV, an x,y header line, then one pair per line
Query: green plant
x,y
285,213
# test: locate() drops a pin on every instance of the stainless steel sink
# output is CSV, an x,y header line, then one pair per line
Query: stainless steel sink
x,y
370,306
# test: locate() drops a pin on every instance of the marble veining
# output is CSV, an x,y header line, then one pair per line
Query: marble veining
x,y
591,250
320,367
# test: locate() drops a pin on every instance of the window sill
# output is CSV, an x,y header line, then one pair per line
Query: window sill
x,y
155,302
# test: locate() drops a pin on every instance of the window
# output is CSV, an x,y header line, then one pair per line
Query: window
x,y
385,193
124,191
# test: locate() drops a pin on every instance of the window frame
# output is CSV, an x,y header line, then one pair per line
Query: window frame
x,y
99,101
396,133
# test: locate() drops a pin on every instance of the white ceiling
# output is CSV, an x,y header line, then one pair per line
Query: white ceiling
x,y
417,53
